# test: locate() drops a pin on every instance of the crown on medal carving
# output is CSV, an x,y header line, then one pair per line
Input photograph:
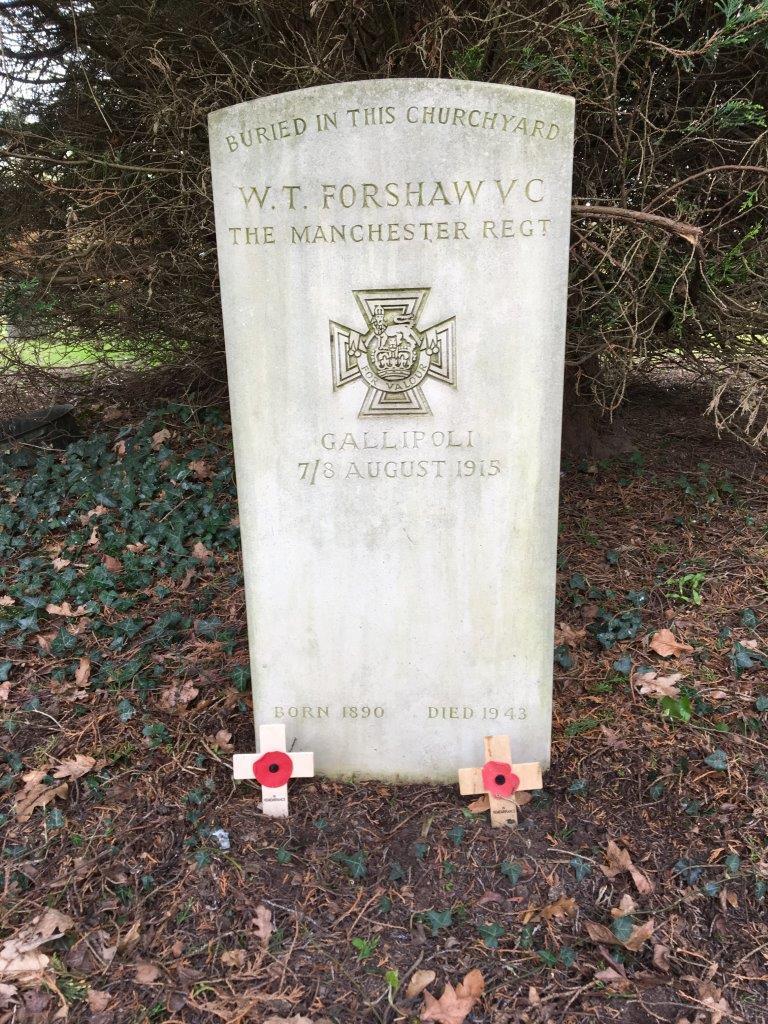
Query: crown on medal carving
x,y
392,349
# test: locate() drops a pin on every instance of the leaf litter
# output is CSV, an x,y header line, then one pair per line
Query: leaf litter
x,y
123,841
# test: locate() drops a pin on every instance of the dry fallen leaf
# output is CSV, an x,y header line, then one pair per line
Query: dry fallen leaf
x,y
626,906
296,1019
201,469
74,767
610,976
618,861
159,438
98,1001
147,974
136,548
36,794
20,958
7,993
455,1004
60,563
666,644
262,923
65,609
201,552
659,686
712,1000
613,740
483,803
233,958
98,510
222,741
565,634
6,601
112,564
131,937
603,935
418,982
83,672
173,695
661,957
564,907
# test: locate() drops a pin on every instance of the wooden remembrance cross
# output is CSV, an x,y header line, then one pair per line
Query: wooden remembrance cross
x,y
273,767
500,779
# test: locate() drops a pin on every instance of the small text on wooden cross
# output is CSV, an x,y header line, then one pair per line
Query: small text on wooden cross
x,y
273,766
500,779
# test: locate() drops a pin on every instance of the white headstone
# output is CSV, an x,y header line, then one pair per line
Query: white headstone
x,y
393,260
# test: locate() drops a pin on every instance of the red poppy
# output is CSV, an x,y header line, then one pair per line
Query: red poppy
x,y
273,769
499,779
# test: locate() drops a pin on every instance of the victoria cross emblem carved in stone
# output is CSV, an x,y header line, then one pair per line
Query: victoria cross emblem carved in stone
x,y
393,356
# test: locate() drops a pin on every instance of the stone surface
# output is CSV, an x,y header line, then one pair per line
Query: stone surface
x,y
393,260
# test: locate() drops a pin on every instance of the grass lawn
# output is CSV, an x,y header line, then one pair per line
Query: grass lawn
x,y
142,885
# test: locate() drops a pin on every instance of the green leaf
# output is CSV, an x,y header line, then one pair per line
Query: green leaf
x,y
761,704
490,934
125,710
396,872
718,760
550,959
5,670
282,855
563,657
623,665
365,947
567,956
579,787
438,919
622,928
581,868
749,618
511,871
678,709
354,863
732,864
392,978
456,835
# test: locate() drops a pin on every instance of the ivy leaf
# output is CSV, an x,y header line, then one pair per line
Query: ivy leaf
x,y
511,871
396,872
749,618
563,657
456,835
125,710
490,934
718,760
5,669
354,864
581,868
732,864
438,919
622,928
679,709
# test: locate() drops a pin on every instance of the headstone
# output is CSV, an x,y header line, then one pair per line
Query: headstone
x,y
393,262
